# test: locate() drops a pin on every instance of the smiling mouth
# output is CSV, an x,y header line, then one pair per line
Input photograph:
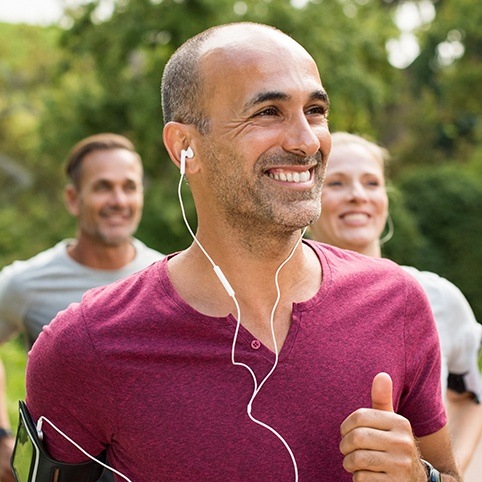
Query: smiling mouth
x,y
116,217
289,176
355,218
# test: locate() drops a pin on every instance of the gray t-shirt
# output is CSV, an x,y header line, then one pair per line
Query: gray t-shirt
x,y
33,291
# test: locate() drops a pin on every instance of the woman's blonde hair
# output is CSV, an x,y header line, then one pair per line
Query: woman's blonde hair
x,y
345,138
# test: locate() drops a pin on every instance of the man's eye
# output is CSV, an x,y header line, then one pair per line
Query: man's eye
x,y
269,111
317,110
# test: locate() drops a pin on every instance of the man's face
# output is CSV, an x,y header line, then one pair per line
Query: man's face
x,y
109,200
265,154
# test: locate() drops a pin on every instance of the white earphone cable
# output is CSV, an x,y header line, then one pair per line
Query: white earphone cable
x,y
257,387
231,293
39,430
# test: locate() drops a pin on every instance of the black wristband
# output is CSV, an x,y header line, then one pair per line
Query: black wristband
x,y
433,475
4,433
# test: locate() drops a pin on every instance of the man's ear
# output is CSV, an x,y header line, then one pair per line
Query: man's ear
x,y
177,138
71,198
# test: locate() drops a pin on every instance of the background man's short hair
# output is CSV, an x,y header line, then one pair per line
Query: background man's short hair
x,y
97,142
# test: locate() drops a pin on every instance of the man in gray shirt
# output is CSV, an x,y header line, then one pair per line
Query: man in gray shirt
x,y
105,194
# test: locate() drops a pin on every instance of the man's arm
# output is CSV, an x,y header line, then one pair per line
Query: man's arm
x,y
464,392
379,443
465,424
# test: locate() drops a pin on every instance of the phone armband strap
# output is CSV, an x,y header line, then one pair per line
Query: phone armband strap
x,y
31,463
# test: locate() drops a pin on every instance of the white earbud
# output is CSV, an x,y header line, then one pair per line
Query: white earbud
x,y
189,153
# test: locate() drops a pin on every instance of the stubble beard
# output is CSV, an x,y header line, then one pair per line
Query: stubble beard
x,y
260,208
105,237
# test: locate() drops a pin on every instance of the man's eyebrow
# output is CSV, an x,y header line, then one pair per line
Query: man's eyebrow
x,y
102,182
271,95
320,95
262,97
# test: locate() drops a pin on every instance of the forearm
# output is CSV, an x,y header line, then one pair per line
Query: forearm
x,y
465,422
450,478
437,450
424,471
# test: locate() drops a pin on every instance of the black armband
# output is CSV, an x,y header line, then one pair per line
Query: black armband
x,y
31,463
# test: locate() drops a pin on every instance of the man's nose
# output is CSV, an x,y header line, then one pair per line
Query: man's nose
x,y
119,197
301,138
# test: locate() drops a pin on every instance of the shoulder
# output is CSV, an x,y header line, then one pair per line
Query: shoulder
x,y
144,254
431,281
368,277
443,295
21,272
124,297
355,263
102,313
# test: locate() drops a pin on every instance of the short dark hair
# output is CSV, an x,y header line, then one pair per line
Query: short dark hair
x,y
182,81
182,85
97,142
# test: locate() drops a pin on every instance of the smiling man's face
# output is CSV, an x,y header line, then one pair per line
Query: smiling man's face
x,y
265,154
108,202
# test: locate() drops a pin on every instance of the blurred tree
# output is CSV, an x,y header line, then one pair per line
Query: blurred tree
x,y
446,204
103,74
407,242
111,77
28,63
440,118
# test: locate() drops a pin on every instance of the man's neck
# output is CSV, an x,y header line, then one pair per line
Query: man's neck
x,y
252,277
96,255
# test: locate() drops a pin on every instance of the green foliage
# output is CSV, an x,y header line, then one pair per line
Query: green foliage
x,y
14,358
407,241
443,121
104,75
446,204
27,56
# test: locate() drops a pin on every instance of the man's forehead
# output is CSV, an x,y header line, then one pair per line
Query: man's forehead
x,y
256,55
256,62
112,161
252,81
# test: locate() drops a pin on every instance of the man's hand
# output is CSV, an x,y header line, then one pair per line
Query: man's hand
x,y
6,449
377,443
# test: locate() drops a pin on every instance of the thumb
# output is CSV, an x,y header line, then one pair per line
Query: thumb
x,y
382,392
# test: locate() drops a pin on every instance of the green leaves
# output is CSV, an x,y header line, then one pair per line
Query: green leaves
x,y
104,75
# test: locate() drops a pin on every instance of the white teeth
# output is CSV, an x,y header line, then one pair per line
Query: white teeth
x,y
355,217
290,176
305,176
